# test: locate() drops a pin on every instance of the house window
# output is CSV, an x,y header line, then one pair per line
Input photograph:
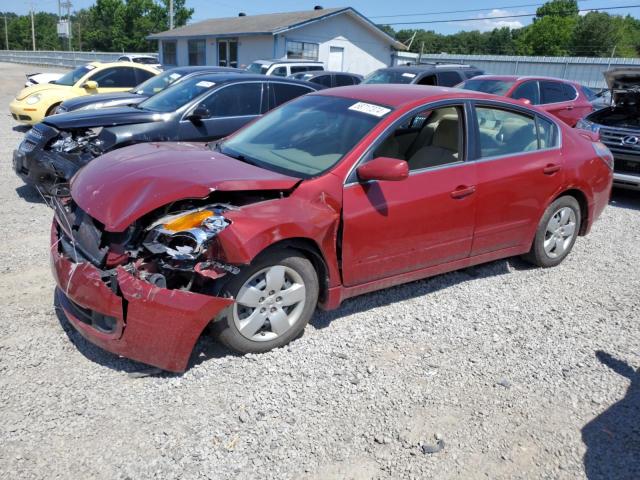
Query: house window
x,y
197,49
302,50
169,53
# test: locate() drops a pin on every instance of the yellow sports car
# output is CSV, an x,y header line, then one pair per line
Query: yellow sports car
x,y
36,102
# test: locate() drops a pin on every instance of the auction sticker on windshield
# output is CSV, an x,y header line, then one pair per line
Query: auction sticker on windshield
x,y
409,75
370,108
205,84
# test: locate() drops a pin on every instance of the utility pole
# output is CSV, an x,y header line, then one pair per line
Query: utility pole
x,y
6,34
170,14
33,29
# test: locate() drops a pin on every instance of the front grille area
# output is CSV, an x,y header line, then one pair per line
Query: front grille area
x,y
628,166
614,139
103,323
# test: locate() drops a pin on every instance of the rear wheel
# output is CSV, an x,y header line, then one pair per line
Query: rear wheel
x,y
556,233
275,298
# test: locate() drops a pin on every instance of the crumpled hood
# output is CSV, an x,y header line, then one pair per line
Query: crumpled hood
x,y
622,78
39,88
121,186
108,117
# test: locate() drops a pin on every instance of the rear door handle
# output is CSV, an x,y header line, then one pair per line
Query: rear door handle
x,y
551,169
570,107
463,191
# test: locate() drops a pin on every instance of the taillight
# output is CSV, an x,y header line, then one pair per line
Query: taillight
x,y
604,153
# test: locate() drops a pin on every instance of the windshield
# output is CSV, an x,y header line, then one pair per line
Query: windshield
x,y
258,68
496,87
390,76
71,78
146,60
174,97
157,84
306,136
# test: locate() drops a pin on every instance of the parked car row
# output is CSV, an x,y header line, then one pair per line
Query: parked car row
x,y
302,196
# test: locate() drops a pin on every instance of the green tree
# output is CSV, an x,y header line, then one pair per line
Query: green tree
x,y
551,32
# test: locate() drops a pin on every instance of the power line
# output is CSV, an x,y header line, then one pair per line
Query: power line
x,y
462,11
502,17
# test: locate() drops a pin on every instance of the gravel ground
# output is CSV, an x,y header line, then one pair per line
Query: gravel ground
x,y
490,372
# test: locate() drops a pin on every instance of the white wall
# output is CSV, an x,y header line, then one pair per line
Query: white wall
x,y
364,51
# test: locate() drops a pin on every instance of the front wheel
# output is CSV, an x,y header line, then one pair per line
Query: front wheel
x,y
556,233
274,299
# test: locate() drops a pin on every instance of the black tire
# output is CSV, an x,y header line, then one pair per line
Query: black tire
x,y
52,110
227,330
538,255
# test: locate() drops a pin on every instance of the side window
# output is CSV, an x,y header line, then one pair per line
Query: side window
x,y
428,80
282,92
552,92
314,68
343,80
299,68
448,79
529,91
279,72
237,100
115,77
322,80
123,59
142,75
570,93
431,138
503,132
547,133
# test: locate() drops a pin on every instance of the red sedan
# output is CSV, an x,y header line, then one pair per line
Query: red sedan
x,y
333,195
562,98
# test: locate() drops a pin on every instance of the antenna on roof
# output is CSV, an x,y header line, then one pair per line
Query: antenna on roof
x,y
318,7
242,14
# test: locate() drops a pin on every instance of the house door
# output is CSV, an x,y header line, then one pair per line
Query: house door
x,y
336,57
228,53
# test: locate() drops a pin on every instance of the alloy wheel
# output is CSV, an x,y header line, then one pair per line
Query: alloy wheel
x,y
269,303
561,229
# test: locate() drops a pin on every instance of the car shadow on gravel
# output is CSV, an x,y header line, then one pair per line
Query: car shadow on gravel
x,y
625,198
21,128
418,288
206,348
30,194
613,437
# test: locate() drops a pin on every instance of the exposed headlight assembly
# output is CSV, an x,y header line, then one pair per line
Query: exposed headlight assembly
x,y
585,124
185,236
69,143
35,98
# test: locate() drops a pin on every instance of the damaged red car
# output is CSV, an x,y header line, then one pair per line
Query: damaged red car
x,y
332,195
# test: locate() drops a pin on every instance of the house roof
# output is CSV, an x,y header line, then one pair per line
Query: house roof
x,y
267,24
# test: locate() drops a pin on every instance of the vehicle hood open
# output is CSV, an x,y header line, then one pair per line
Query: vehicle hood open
x,y
109,117
621,79
121,186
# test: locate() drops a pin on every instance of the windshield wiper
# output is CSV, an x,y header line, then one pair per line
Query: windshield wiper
x,y
236,156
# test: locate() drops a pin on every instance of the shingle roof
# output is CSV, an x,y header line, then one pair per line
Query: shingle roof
x,y
268,24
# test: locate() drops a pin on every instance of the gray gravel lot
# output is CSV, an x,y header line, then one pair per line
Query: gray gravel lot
x,y
495,366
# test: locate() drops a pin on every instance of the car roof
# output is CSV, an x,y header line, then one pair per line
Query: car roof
x,y
243,77
119,64
315,73
269,62
519,78
427,67
399,95
203,68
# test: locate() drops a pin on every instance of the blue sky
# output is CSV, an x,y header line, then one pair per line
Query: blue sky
x,y
376,10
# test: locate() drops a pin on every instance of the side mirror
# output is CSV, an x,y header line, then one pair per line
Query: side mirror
x,y
383,168
90,85
198,114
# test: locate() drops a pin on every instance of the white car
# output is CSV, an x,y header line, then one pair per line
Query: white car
x,y
284,68
143,59
38,78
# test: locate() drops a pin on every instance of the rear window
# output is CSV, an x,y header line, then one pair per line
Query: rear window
x,y
146,60
389,76
494,87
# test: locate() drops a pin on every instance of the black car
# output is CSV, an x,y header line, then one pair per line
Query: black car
x,y
139,93
329,79
443,75
202,107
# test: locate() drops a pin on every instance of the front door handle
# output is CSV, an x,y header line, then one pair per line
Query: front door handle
x,y
551,169
463,191
570,107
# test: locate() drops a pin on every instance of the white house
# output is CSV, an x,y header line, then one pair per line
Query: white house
x,y
341,38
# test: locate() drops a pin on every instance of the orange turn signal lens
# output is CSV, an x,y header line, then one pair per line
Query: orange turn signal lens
x,y
190,220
